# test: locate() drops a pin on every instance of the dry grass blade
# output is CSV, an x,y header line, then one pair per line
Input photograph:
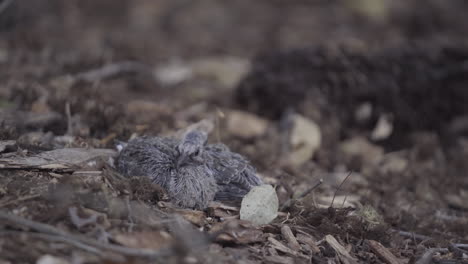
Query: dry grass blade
x,y
302,195
339,188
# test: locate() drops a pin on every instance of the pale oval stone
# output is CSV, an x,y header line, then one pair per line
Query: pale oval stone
x,y
305,140
260,205
245,125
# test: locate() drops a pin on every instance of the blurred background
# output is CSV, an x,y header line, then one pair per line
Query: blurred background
x,y
186,51
306,89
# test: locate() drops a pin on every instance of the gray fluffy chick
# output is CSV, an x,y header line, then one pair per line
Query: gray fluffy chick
x,y
192,172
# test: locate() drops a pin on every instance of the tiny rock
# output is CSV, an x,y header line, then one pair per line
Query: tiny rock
x,y
228,71
393,163
360,148
383,129
7,145
173,73
305,139
245,125
49,259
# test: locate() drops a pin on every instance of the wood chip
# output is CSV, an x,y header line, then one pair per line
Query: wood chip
x,y
237,231
343,255
308,240
279,260
383,253
281,247
289,236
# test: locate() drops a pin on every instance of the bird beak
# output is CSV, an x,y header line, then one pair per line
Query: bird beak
x,y
181,160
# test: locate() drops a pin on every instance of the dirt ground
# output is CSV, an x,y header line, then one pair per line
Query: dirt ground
x,y
383,81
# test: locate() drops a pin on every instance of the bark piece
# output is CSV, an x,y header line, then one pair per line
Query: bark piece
x,y
342,253
289,236
383,253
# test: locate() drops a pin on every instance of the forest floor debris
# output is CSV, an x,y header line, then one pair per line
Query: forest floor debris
x,y
79,76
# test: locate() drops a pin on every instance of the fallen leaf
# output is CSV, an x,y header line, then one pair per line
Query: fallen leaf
x,y
260,205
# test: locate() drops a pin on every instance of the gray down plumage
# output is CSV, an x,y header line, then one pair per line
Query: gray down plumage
x,y
192,172
233,173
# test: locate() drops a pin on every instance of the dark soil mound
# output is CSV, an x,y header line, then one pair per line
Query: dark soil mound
x,y
421,88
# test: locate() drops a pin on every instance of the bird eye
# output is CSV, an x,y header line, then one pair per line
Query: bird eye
x,y
196,153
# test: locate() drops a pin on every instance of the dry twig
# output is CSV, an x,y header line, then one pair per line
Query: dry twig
x,y
280,247
82,242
